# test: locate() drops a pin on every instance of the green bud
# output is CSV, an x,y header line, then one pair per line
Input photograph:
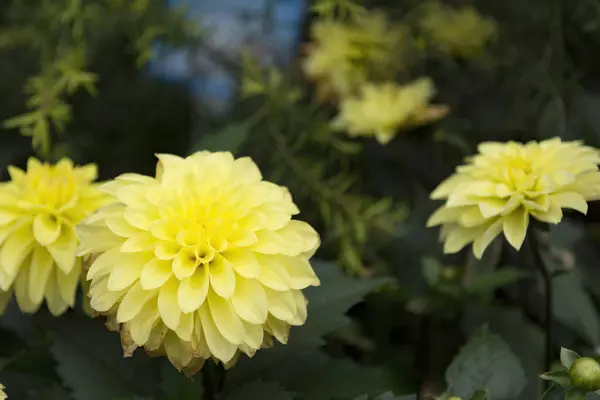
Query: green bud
x,y
585,374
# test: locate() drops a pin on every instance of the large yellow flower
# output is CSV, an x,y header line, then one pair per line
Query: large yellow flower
x,y
457,31
202,261
381,109
39,209
2,394
499,189
343,55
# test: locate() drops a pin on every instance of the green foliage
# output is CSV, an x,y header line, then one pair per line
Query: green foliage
x,y
486,362
62,36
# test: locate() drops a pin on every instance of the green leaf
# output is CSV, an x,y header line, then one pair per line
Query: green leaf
x,y
480,395
486,362
567,357
486,283
301,366
259,390
554,392
560,377
177,386
90,361
230,138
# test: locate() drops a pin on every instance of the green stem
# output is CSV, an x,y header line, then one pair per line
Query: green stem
x,y
548,297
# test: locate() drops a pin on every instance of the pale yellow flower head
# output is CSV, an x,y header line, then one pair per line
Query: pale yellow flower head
x,y
380,110
202,261
2,394
506,184
343,54
39,209
457,31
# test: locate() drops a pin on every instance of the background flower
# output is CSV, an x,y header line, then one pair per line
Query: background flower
x,y
39,209
202,261
381,109
506,183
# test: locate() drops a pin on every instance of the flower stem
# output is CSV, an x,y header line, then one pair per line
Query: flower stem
x,y
548,294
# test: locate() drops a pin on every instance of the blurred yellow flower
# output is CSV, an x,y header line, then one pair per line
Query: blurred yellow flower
x,y
39,209
2,394
342,54
458,31
203,261
499,189
381,109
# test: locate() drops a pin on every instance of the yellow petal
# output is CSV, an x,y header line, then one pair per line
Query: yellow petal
x,y
222,277
155,273
458,237
7,216
218,345
273,275
515,227
63,249
67,283
300,271
250,301
186,327
244,263
21,288
572,200
41,267
132,303
126,271
14,250
279,329
139,242
103,299
254,335
46,228
282,305
120,227
226,320
445,215
166,250
167,304
193,290
185,263
103,264
483,241
141,326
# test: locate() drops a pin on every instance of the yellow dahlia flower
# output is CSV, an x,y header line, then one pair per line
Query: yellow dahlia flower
x,y
201,261
39,209
2,394
381,109
342,55
463,32
499,189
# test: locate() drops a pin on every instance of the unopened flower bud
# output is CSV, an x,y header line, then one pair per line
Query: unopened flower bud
x,y
585,374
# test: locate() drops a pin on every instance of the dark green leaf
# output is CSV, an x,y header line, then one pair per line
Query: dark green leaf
x,y
486,362
259,390
431,270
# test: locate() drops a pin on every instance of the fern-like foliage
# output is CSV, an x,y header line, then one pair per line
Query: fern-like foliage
x,y
62,35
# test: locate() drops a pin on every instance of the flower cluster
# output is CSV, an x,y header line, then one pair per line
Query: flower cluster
x,y
506,184
382,109
202,261
39,209
462,32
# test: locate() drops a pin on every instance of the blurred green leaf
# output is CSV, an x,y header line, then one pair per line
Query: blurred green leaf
x,y
567,357
560,377
486,362
488,282
230,138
